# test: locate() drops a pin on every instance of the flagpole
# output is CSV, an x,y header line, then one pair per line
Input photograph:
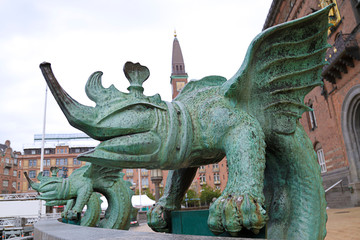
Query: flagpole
x,y
42,145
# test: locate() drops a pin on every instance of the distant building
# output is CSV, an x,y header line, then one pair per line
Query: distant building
x,y
8,169
334,125
60,150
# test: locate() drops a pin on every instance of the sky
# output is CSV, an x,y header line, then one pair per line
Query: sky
x,y
79,37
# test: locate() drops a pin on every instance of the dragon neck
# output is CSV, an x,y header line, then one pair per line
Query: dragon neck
x,y
64,191
178,137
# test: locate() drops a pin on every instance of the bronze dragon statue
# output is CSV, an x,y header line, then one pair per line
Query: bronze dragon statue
x,y
252,119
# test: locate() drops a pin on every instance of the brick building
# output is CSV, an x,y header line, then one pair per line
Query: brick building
x,y
333,126
60,150
8,169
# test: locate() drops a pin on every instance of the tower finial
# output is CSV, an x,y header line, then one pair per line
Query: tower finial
x,y
175,33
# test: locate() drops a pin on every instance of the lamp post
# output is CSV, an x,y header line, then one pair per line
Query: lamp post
x,y
156,178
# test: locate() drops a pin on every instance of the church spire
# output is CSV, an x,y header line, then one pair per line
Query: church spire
x,y
178,74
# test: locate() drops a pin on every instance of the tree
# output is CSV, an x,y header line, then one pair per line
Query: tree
x,y
208,194
148,193
191,199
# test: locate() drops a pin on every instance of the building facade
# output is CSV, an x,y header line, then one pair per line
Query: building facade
x,y
333,126
8,169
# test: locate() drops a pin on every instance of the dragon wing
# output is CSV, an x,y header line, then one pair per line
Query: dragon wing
x,y
281,66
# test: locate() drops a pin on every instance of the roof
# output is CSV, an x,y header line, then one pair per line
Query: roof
x,y
52,140
274,9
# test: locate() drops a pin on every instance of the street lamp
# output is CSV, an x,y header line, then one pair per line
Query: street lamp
x,y
156,178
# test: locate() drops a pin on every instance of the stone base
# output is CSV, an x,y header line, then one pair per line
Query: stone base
x,y
55,230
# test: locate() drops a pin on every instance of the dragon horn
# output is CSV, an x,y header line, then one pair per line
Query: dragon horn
x,y
77,114
33,184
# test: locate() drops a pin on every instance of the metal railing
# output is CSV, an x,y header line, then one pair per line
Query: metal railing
x,y
334,185
18,196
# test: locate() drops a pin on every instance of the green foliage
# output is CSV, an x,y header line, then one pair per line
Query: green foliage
x,y
149,194
190,199
208,194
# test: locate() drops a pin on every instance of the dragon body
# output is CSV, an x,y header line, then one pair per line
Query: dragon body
x,y
252,119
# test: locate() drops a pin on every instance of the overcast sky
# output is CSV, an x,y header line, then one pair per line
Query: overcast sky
x,y
79,37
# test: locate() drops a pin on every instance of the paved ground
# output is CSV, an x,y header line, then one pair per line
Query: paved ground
x,y
342,224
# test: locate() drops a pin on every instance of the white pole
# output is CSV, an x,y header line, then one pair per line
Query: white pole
x,y
43,134
139,185
42,147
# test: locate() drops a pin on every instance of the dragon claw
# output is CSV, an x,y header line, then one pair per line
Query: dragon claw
x,y
159,219
234,212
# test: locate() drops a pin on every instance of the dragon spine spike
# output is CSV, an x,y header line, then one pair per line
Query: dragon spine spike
x,y
93,87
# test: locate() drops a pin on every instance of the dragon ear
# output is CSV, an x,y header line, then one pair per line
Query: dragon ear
x,y
282,65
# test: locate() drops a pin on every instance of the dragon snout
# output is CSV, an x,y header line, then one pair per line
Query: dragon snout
x,y
34,185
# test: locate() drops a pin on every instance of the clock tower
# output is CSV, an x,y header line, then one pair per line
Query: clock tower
x,y
178,75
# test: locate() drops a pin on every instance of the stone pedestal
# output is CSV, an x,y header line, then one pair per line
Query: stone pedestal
x,y
55,230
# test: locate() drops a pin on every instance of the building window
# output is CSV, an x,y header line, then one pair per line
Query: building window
x,y
77,150
46,162
14,173
76,162
5,183
7,160
19,174
129,172
46,173
14,185
321,160
18,186
32,163
144,182
6,171
216,178
32,174
215,167
20,163
202,179
15,161
47,151
61,162
144,172
33,152
312,118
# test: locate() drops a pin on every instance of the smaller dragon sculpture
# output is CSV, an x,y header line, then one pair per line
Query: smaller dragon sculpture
x,y
82,188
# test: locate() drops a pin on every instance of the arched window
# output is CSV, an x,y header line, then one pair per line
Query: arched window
x,y
321,157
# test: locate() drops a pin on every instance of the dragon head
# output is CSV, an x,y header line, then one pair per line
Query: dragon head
x,y
48,187
125,122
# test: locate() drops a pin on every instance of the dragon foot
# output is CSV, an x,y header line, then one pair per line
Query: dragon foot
x,y
233,212
159,218
73,215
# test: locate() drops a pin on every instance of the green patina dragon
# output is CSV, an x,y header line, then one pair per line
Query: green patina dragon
x,y
81,189
252,119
